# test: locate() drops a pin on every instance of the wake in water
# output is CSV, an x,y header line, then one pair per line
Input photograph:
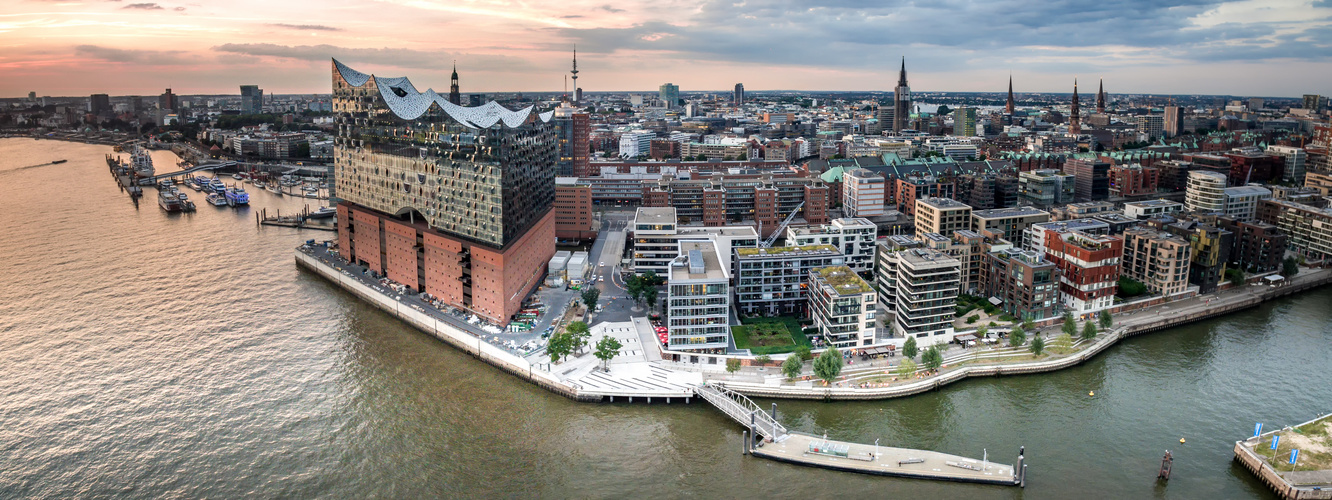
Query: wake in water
x,y
47,164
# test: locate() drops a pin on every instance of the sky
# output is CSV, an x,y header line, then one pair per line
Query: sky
x,y
1244,47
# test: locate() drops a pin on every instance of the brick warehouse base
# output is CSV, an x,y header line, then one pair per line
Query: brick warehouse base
x,y
489,281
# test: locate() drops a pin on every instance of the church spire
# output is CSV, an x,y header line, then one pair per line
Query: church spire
x,y
1074,120
454,96
1100,98
1009,108
901,78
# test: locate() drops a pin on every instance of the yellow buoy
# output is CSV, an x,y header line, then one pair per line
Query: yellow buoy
x,y
1181,440
1091,393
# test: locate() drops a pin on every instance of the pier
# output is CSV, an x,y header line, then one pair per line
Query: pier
x,y
297,221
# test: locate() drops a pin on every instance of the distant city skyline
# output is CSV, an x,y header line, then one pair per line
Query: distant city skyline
x,y
1277,48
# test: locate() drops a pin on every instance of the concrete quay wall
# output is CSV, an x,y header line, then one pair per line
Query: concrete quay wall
x,y
1272,479
451,335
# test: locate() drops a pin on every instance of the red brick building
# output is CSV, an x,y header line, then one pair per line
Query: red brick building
x,y
1133,180
573,210
660,149
1253,165
1088,266
907,190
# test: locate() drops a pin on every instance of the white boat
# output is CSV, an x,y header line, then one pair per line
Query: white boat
x,y
237,176
142,162
323,213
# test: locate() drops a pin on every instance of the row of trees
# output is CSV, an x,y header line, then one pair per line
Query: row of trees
x,y
575,337
644,288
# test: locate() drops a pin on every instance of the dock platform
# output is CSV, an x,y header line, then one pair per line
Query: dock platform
x,y
898,462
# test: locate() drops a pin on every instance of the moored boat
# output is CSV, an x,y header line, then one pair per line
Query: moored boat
x,y
217,199
323,213
237,196
168,201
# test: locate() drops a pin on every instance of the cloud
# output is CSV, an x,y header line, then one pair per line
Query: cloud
x,y
611,9
401,58
306,27
143,6
146,57
179,9
869,34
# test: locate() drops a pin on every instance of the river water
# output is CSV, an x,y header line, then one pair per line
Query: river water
x,y
148,355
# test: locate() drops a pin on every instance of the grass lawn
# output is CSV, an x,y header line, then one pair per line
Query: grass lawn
x,y
769,335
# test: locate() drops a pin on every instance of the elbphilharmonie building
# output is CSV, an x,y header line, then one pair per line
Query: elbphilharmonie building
x,y
451,200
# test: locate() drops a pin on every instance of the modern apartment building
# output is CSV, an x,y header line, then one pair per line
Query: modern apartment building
x,y
842,306
1157,259
656,237
772,281
1258,247
1037,234
1088,266
460,207
852,236
1242,201
1309,229
928,283
1147,209
572,130
941,215
968,247
906,190
1010,223
1026,284
885,272
1206,192
862,193
698,299
718,199
1045,188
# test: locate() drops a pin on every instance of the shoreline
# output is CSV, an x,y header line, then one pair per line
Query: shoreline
x,y
525,370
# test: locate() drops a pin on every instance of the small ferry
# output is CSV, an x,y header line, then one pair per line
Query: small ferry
x,y
217,186
323,213
237,196
168,201
182,196
217,200
165,184
238,177
57,162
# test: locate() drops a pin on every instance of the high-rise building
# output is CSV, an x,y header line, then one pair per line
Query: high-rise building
x,y
1091,177
842,306
1074,117
669,93
1309,229
454,96
252,99
698,299
460,208
738,96
1173,121
1313,102
572,130
99,104
1153,126
168,100
636,143
901,102
1026,284
573,209
964,121
32,95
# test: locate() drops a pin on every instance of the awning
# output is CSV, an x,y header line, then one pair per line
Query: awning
x,y
965,337
995,301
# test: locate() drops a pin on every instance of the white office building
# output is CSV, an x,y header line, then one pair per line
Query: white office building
x,y
853,236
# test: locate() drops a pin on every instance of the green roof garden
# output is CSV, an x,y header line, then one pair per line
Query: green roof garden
x,y
784,250
844,280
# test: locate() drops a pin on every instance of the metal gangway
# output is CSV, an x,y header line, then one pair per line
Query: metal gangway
x,y
212,165
740,408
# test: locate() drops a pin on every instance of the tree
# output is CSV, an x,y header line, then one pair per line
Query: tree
x,y
1106,320
1089,330
982,331
763,360
732,365
590,296
932,358
1028,324
828,365
907,368
1062,344
607,348
1289,267
634,285
1017,337
909,349
791,367
578,335
802,352
650,296
1038,345
1070,325
560,346
1129,287
943,110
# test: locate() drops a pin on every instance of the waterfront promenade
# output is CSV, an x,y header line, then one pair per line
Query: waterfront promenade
x,y
886,461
